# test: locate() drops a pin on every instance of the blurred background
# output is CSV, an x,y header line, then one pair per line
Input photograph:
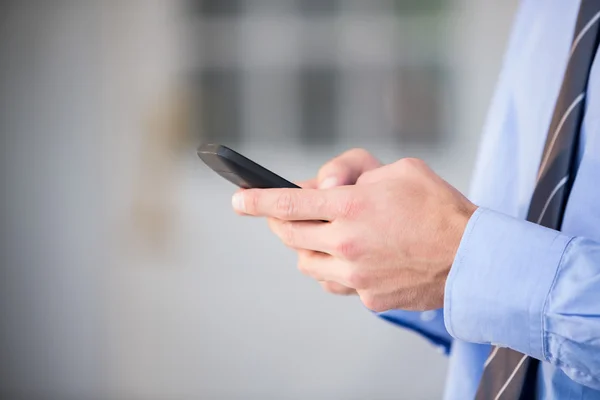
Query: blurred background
x,y
125,274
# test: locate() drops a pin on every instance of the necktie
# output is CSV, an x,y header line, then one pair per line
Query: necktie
x,y
507,373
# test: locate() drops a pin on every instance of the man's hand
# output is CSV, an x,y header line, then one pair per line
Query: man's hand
x,y
392,237
343,170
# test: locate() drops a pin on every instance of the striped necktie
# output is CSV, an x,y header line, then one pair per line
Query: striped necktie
x,y
507,373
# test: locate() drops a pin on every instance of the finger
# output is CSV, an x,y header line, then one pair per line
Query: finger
x,y
308,184
337,288
376,175
290,204
346,168
305,235
322,267
402,167
237,211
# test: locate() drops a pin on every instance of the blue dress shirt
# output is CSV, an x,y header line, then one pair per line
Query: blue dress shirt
x,y
514,283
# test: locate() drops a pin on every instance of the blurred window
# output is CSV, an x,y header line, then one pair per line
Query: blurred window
x,y
317,7
215,8
403,7
319,45
219,105
415,103
318,102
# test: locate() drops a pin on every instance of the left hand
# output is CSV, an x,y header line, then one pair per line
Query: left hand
x,y
392,236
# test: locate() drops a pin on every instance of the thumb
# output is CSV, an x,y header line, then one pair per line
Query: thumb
x,y
346,168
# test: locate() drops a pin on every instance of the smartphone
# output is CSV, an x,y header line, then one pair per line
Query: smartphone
x,y
240,170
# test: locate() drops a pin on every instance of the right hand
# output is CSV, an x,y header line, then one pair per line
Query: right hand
x,y
343,170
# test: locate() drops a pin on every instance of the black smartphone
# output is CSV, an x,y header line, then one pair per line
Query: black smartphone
x,y
240,170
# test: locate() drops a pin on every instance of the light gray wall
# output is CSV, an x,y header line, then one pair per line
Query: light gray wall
x,y
91,309
51,312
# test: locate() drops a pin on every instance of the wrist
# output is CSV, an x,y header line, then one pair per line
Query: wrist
x,y
457,227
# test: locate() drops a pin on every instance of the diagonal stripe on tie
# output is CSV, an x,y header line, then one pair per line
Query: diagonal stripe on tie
x,y
556,189
568,113
507,373
519,367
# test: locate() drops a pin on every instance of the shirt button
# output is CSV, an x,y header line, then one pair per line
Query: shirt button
x,y
427,316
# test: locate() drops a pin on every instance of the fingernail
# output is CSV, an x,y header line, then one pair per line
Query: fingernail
x,y
237,201
328,183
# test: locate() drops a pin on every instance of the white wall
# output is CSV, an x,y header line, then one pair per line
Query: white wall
x,y
219,311
51,125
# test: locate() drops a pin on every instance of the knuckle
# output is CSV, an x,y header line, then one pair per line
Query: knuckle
x,y
303,267
274,225
336,288
285,204
351,207
358,279
349,249
305,263
367,177
374,303
411,163
329,287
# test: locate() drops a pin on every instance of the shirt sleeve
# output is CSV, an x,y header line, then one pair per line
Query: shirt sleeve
x,y
533,289
429,324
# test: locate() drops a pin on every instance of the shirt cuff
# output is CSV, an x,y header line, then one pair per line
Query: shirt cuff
x,y
428,324
499,282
